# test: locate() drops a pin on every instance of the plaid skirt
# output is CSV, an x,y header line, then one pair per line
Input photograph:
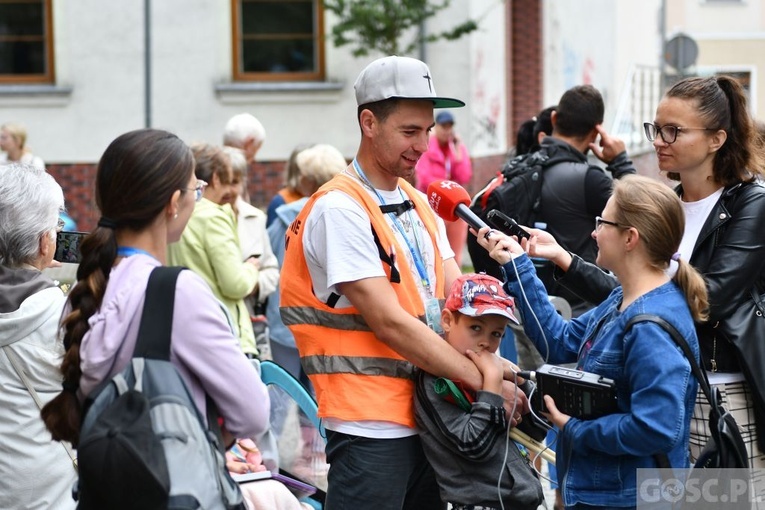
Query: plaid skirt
x,y
737,399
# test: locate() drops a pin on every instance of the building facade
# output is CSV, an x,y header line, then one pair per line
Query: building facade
x,y
79,73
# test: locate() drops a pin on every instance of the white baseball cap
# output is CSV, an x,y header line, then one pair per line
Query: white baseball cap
x,y
400,78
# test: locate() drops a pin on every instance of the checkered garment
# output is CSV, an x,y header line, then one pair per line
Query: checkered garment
x,y
737,399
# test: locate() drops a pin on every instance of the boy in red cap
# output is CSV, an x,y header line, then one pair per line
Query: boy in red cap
x,y
465,432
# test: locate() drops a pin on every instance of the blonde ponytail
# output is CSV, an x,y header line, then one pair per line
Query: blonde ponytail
x,y
694,288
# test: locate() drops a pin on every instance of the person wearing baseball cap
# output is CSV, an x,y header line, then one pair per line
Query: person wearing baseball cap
x,y
447,158
476,295
463,431
376,262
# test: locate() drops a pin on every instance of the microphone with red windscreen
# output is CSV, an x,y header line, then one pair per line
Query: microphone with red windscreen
x,y
450,201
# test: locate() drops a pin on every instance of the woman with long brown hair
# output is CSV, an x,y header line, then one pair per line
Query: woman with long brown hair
x,y
146,190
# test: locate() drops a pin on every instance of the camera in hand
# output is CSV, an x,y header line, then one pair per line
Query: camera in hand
x,y
506,224
68,247
579,394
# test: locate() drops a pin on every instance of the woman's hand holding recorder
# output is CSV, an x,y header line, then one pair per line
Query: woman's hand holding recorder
x,y
554,415
501,247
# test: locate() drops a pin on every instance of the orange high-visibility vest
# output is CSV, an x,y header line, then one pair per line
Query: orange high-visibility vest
x,y
356,376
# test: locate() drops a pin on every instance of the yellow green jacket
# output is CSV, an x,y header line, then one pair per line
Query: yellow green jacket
x,y
209,246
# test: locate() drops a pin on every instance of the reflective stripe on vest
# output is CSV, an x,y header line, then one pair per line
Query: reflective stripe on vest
x,y
387,367
356,376
306,315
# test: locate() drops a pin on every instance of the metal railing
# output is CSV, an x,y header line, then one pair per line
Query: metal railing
x,y
637,104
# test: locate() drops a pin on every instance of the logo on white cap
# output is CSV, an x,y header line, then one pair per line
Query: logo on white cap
x,y
401,78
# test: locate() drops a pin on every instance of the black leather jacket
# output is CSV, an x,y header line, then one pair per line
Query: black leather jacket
x,y
729,253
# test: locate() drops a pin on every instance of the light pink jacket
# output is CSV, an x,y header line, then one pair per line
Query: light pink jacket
x,y
435,165
203,348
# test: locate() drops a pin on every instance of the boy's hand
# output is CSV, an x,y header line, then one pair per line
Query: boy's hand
x,y
491,367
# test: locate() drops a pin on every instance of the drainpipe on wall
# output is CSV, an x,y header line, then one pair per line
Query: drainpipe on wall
x,y
663,35
147,61
421,37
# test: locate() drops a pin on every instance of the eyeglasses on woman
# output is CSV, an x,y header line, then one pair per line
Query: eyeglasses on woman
x,y
667,132
198,189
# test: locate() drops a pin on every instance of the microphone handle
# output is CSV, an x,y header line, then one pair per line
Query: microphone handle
x,y
464,213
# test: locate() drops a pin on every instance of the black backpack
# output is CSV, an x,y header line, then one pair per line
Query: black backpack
x,y
143,443
515,191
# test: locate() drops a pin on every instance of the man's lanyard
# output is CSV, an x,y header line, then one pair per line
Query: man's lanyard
x,y
415,251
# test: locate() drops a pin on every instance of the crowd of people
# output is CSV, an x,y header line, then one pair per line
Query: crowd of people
x,y
353,284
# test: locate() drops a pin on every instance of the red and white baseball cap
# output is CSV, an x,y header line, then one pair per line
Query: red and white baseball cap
x,y
477,294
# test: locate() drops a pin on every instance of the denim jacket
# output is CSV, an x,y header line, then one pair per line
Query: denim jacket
x,y
597,459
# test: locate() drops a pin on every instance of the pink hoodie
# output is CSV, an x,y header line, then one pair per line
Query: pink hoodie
x,y
432,165
203,347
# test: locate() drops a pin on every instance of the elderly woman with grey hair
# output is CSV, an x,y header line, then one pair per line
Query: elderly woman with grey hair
x,y
35,472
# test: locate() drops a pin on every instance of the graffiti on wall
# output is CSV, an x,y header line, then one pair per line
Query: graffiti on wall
x,y
577,68
487,107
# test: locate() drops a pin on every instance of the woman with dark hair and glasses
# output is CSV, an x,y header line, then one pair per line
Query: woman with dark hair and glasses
x,y
705,138
146,190
598,458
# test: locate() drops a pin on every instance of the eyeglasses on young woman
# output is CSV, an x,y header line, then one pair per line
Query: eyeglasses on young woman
x,y
599,222
668,133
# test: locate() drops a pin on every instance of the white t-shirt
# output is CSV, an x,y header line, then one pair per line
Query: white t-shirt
x,y
339,222
696,214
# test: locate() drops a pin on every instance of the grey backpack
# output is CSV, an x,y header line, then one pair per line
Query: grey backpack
x,y
143,443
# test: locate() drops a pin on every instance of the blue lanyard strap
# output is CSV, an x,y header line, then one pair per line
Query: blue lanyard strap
x,y
419,263
128,251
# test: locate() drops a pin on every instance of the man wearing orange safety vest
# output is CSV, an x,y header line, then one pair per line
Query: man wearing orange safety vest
x,y
363,280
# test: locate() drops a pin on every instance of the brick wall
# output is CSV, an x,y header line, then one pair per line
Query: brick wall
x,y
78,181
266,178
525,57
483,170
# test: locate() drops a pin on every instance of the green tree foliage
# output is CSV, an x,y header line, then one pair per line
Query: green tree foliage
x,y
380,25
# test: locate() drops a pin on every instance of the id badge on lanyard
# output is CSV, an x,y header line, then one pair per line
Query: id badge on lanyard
x,y
433,315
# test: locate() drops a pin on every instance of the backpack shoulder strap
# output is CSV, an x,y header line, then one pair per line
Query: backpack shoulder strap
x,y
662,460
156,329
700,375
157,320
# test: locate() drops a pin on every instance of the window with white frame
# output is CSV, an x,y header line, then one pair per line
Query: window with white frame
x,y
26,41
278,40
